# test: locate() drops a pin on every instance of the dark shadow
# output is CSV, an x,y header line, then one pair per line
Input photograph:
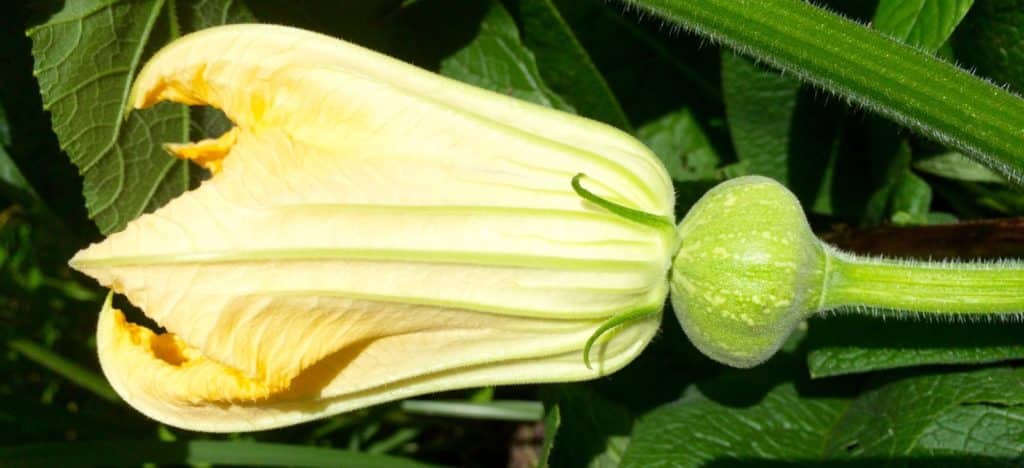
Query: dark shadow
x,y
428,31
817,123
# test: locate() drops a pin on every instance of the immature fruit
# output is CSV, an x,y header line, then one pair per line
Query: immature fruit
x,y
373,231
749,270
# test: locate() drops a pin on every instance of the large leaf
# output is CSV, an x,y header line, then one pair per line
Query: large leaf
x,y
922,23
682,146
849,344
745,416
566,66
86,56
760,104
778,129
972,415
954,419
991,40
497,60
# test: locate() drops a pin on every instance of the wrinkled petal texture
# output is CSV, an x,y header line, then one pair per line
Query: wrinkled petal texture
x,y
372,231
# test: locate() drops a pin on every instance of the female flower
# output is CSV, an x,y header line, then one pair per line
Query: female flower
x,y
373,231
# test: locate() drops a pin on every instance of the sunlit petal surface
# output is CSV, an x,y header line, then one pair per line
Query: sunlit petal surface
x,y
372,231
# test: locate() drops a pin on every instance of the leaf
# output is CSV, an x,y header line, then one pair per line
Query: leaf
x,y
13,184
681,145
592,432
565,65
957,167
921,23
848,344
891,156
497,60
991,41
552,421
777,129
760,105
85,58
980,200
501,410
67,369
952,419
697,430
911,199
911,87
967,414
114,452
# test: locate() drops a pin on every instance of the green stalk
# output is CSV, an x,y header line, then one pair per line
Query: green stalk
x,y
869,68
944,288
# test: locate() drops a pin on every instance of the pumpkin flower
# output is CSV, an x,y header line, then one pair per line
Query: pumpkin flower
x,y
373,231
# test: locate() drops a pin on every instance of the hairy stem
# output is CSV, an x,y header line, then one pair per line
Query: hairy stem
x,y
946,288
869,68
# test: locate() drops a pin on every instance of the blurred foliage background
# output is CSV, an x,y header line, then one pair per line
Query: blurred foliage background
x,y
846,390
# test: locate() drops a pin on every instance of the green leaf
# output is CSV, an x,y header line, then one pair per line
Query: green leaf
x,y
957,167
921,23
760,105
86,56
13,184
566,66
895,152
593,430
981,200
954,419
848,344
85,59
682,146
69,370
967,414
869,68
911,199
501,410
135,452
700,431
552,420
778,130
497,60
991,41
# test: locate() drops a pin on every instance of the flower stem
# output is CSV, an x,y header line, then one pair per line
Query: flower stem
x,y
869,68
941,288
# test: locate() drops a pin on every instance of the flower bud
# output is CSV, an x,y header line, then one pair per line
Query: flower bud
x,y
373,231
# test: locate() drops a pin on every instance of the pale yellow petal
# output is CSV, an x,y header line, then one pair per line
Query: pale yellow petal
x,y
371,231
200,394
